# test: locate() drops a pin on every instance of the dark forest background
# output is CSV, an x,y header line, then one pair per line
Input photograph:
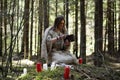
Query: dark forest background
x,y
95,23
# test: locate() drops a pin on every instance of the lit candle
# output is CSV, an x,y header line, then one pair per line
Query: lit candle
x,y
39,67
80,61
66,72
25,71
52,65
45,67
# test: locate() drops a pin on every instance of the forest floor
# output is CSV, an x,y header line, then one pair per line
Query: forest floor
x,y
109,71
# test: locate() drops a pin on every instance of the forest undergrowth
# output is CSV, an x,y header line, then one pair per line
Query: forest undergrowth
x,y
110,70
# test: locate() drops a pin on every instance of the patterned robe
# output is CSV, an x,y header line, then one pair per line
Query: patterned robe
x,y
55,52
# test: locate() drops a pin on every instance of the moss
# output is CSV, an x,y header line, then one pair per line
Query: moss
x,y
79,72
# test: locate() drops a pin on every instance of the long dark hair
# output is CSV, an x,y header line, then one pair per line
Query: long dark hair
x,y
57,21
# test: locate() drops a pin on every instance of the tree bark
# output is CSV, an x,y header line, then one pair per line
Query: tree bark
x,y
1,18
67,12
18,25
46,17
31,29
76,30
40,26
83,31
119,32
5,26
26,29
98,33
110,16
56,6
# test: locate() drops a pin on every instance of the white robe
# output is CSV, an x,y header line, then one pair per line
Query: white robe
x,y
57,56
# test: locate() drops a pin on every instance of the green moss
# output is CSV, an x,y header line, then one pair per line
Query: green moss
x,y
79,72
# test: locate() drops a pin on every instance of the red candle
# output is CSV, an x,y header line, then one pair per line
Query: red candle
x,y
39,67
80,60
66,72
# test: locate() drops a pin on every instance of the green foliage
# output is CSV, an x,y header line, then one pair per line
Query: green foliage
x,y
26,77
55,74
78,72
44,75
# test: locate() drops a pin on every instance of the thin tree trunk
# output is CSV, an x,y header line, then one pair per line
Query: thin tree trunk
x,y
1,34
105,36
98,33
5,26
46,18
1,11
11,29
76,30
83,31
26,29
110,27
64,7
0,41
18,25
35,40
119,32
67,12
115,26
40,27
31,29
56,6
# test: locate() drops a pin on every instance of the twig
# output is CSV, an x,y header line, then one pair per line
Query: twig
x,y
83,72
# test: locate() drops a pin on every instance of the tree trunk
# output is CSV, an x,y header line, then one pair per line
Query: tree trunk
x,y
115,26
56,6
76,30
98,33
64,7
110,16
119,33
46,18
67,12
83,31
26,29
11,21
31,29
40,26
18,25
1,31
5,26
1,11
0,39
